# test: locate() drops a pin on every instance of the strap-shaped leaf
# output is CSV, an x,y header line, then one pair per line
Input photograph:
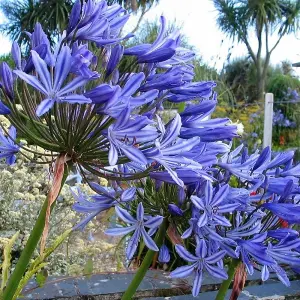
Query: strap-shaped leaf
x,y
7,259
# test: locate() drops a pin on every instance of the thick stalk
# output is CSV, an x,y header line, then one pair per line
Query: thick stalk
x,y
226,283
141,272
31,245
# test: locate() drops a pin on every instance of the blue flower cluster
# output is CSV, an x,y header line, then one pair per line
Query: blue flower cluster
x,y
280,120
79,100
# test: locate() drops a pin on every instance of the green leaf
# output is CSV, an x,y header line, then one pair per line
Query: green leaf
x,y
41,277
7,260
26,278
88,268
181,107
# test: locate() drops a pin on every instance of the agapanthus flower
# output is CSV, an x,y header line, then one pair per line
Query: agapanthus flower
x,y
81,60
54,91
103,200
99,22
213,206
138,226
161,50
200,262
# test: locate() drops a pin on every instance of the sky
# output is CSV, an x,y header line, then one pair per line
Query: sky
x,y
197,18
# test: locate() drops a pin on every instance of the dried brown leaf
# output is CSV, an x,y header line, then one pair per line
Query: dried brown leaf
x,y
238,282
52,195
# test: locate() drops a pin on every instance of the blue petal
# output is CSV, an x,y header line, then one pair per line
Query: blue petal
x,y
32,80
148,240
128,195
134,154
214,258
216,272
281,159
184,254
113,155
124,215
73,85
153,222
44,107
197,283
263,158
74,98
42,69
62,67
182,272
203,220
16,54
265,274
172,131
133,244
220,196
132,84
140,212
119,230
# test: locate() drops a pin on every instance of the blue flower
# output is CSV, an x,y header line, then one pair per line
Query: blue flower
x,y
138,226
8,148
122,98
174,77
54,91
175,210
161,50
200,262
254,248
170,151
125,135
39,40
212,206
93,205
286,211
99,22
81,60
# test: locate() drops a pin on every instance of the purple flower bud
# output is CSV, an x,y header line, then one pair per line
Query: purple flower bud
x,y
175,210
16,55
7,80
41,50
264,157
115,57
245,155
164,255
4,110
74,16
181,195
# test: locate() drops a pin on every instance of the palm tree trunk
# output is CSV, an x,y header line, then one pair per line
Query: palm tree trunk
x,y
260,81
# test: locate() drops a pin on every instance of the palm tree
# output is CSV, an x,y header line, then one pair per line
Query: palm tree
x,y
23,14
236,18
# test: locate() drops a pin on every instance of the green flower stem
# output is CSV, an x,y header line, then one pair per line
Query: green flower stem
x,y
226,283
31,245
147,261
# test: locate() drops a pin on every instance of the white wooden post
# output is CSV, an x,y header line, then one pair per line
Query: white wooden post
x,y
268,122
